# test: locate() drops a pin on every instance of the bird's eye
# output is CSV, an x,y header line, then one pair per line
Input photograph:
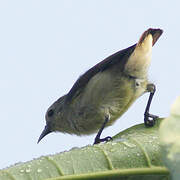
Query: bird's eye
x,y
50,113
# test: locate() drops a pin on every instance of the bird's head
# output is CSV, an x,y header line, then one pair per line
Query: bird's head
x,y
54,118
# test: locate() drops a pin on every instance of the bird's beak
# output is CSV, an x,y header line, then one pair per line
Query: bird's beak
x,y
44,133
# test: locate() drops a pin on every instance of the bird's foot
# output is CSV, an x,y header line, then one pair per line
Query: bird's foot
x,y
149,119
106,139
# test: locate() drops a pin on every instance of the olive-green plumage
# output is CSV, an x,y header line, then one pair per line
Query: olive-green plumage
x,y
107,89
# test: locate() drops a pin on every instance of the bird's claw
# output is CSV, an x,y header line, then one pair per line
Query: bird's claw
x,y
106,139
150,119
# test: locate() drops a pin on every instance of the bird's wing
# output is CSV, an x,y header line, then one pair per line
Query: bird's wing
x,y
120,56
102,66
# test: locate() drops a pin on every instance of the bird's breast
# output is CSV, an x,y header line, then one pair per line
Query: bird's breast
x,y
108,93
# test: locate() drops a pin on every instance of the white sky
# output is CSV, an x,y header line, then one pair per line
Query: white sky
x,y
46,45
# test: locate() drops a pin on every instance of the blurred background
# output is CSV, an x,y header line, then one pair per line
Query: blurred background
x,y
46,45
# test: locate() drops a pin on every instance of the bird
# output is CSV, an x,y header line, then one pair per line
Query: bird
x,y
103,93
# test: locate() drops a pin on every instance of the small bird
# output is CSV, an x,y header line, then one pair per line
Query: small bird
x,y
103,93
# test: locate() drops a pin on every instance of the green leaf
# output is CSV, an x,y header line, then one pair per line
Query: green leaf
x,y
134,154
170,140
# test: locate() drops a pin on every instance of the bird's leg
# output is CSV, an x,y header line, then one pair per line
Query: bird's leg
x,y
149,119
97,138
